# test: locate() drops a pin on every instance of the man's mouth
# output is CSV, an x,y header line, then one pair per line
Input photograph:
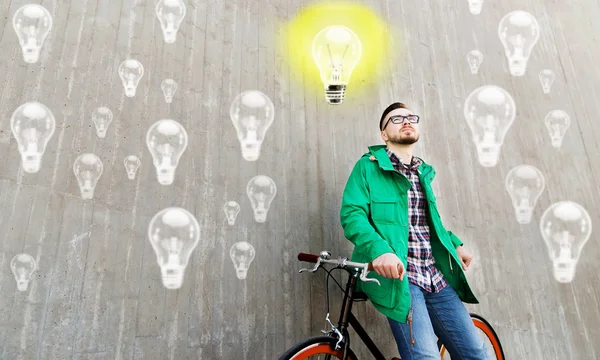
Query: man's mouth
x,y
407,128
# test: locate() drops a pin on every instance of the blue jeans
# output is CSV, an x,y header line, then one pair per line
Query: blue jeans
x,y
438,315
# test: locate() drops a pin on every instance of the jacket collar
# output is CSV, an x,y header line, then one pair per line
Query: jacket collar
x,y
386,164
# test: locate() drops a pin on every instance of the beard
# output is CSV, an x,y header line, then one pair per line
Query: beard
x,y
403,138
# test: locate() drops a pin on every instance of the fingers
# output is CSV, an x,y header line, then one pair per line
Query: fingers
x,y
390,270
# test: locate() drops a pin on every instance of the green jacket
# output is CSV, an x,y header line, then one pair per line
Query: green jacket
x,y
374,215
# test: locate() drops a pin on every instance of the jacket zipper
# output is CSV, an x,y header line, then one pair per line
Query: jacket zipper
x,y
409,319
450,262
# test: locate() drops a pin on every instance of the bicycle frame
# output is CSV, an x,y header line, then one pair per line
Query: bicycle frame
x,y
347,318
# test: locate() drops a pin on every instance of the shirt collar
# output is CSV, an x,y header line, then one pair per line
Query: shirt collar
x,y
414,163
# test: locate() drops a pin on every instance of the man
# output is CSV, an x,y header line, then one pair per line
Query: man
x,y
389,213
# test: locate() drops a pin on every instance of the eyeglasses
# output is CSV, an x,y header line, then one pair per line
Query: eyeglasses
x,y
399,119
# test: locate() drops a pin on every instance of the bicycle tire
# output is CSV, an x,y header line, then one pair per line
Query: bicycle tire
x,y
318,345
483,325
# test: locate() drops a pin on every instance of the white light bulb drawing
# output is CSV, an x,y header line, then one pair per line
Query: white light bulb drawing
x,y
167,140
242,254
132,164
102,117
557,122
174,233
32,23
566,227
252,113
336,50
490,111
23,266
169,86
519,31
525,184
231,209
32,125
261,191
547,78
87,168
131,72
475,6
474,58
170,14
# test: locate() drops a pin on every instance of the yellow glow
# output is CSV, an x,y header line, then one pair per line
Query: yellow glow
x,y
374,34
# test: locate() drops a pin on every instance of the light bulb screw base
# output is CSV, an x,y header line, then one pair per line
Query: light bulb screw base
x,y
335,94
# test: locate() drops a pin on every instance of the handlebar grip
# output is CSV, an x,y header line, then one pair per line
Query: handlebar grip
x,y
308,257
370,266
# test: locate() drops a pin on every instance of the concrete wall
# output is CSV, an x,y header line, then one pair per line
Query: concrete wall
x,y
97,291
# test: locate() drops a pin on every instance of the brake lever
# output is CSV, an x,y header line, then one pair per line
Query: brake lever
x,y
317,264
363,275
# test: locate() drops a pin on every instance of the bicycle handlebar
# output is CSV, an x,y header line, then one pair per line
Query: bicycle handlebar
x,y
340,262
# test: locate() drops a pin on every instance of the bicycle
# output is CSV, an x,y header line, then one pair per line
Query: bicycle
x,y
335,344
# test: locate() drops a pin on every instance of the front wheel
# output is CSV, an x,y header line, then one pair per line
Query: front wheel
x,y
487,333
319,347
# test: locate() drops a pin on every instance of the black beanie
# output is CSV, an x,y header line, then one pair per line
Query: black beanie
x,y
394,106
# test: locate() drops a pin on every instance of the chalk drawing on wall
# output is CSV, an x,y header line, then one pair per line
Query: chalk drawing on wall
x,y
547,78
32,125
132,164
519,31
32,23
167,140
474,59
170,14
475,6
23,266
489,111
87,169
242,254
131,72
174,234
336,51
168,87
231,209
524,184
102,117
252,113
557,122
566,227
261,191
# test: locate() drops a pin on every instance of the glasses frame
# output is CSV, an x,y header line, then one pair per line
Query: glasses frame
x,y
394,117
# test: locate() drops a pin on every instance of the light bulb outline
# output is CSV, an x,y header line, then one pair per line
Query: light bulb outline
x,y
547,78
518,48
242,254
474,59
167,141
261,200
524,201
231,209
252,113
102,117
557,123
31,50
25,122
88,168
169,22
23,266
169,87
475,6
131,72
132,163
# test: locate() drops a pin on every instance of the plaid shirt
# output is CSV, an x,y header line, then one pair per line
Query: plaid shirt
x,y
421,270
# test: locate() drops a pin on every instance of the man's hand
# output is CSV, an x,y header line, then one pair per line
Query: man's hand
x,y
389,265
465,256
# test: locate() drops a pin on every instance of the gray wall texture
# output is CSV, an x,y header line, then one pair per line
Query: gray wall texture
x,y
97,291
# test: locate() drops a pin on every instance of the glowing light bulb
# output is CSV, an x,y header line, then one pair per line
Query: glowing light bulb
x,y
557,122
102,117
132,164
336,50
519,31
32,23
261,191
32,125
490,112
252,113
242,254
131,72
566,227
23,266
167,140
231,209
547,78
525,184
87,168
170,14
174,233
475,6
474,58
169,86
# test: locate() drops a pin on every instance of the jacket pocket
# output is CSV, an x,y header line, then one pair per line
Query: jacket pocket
x,y
383,294
386,211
